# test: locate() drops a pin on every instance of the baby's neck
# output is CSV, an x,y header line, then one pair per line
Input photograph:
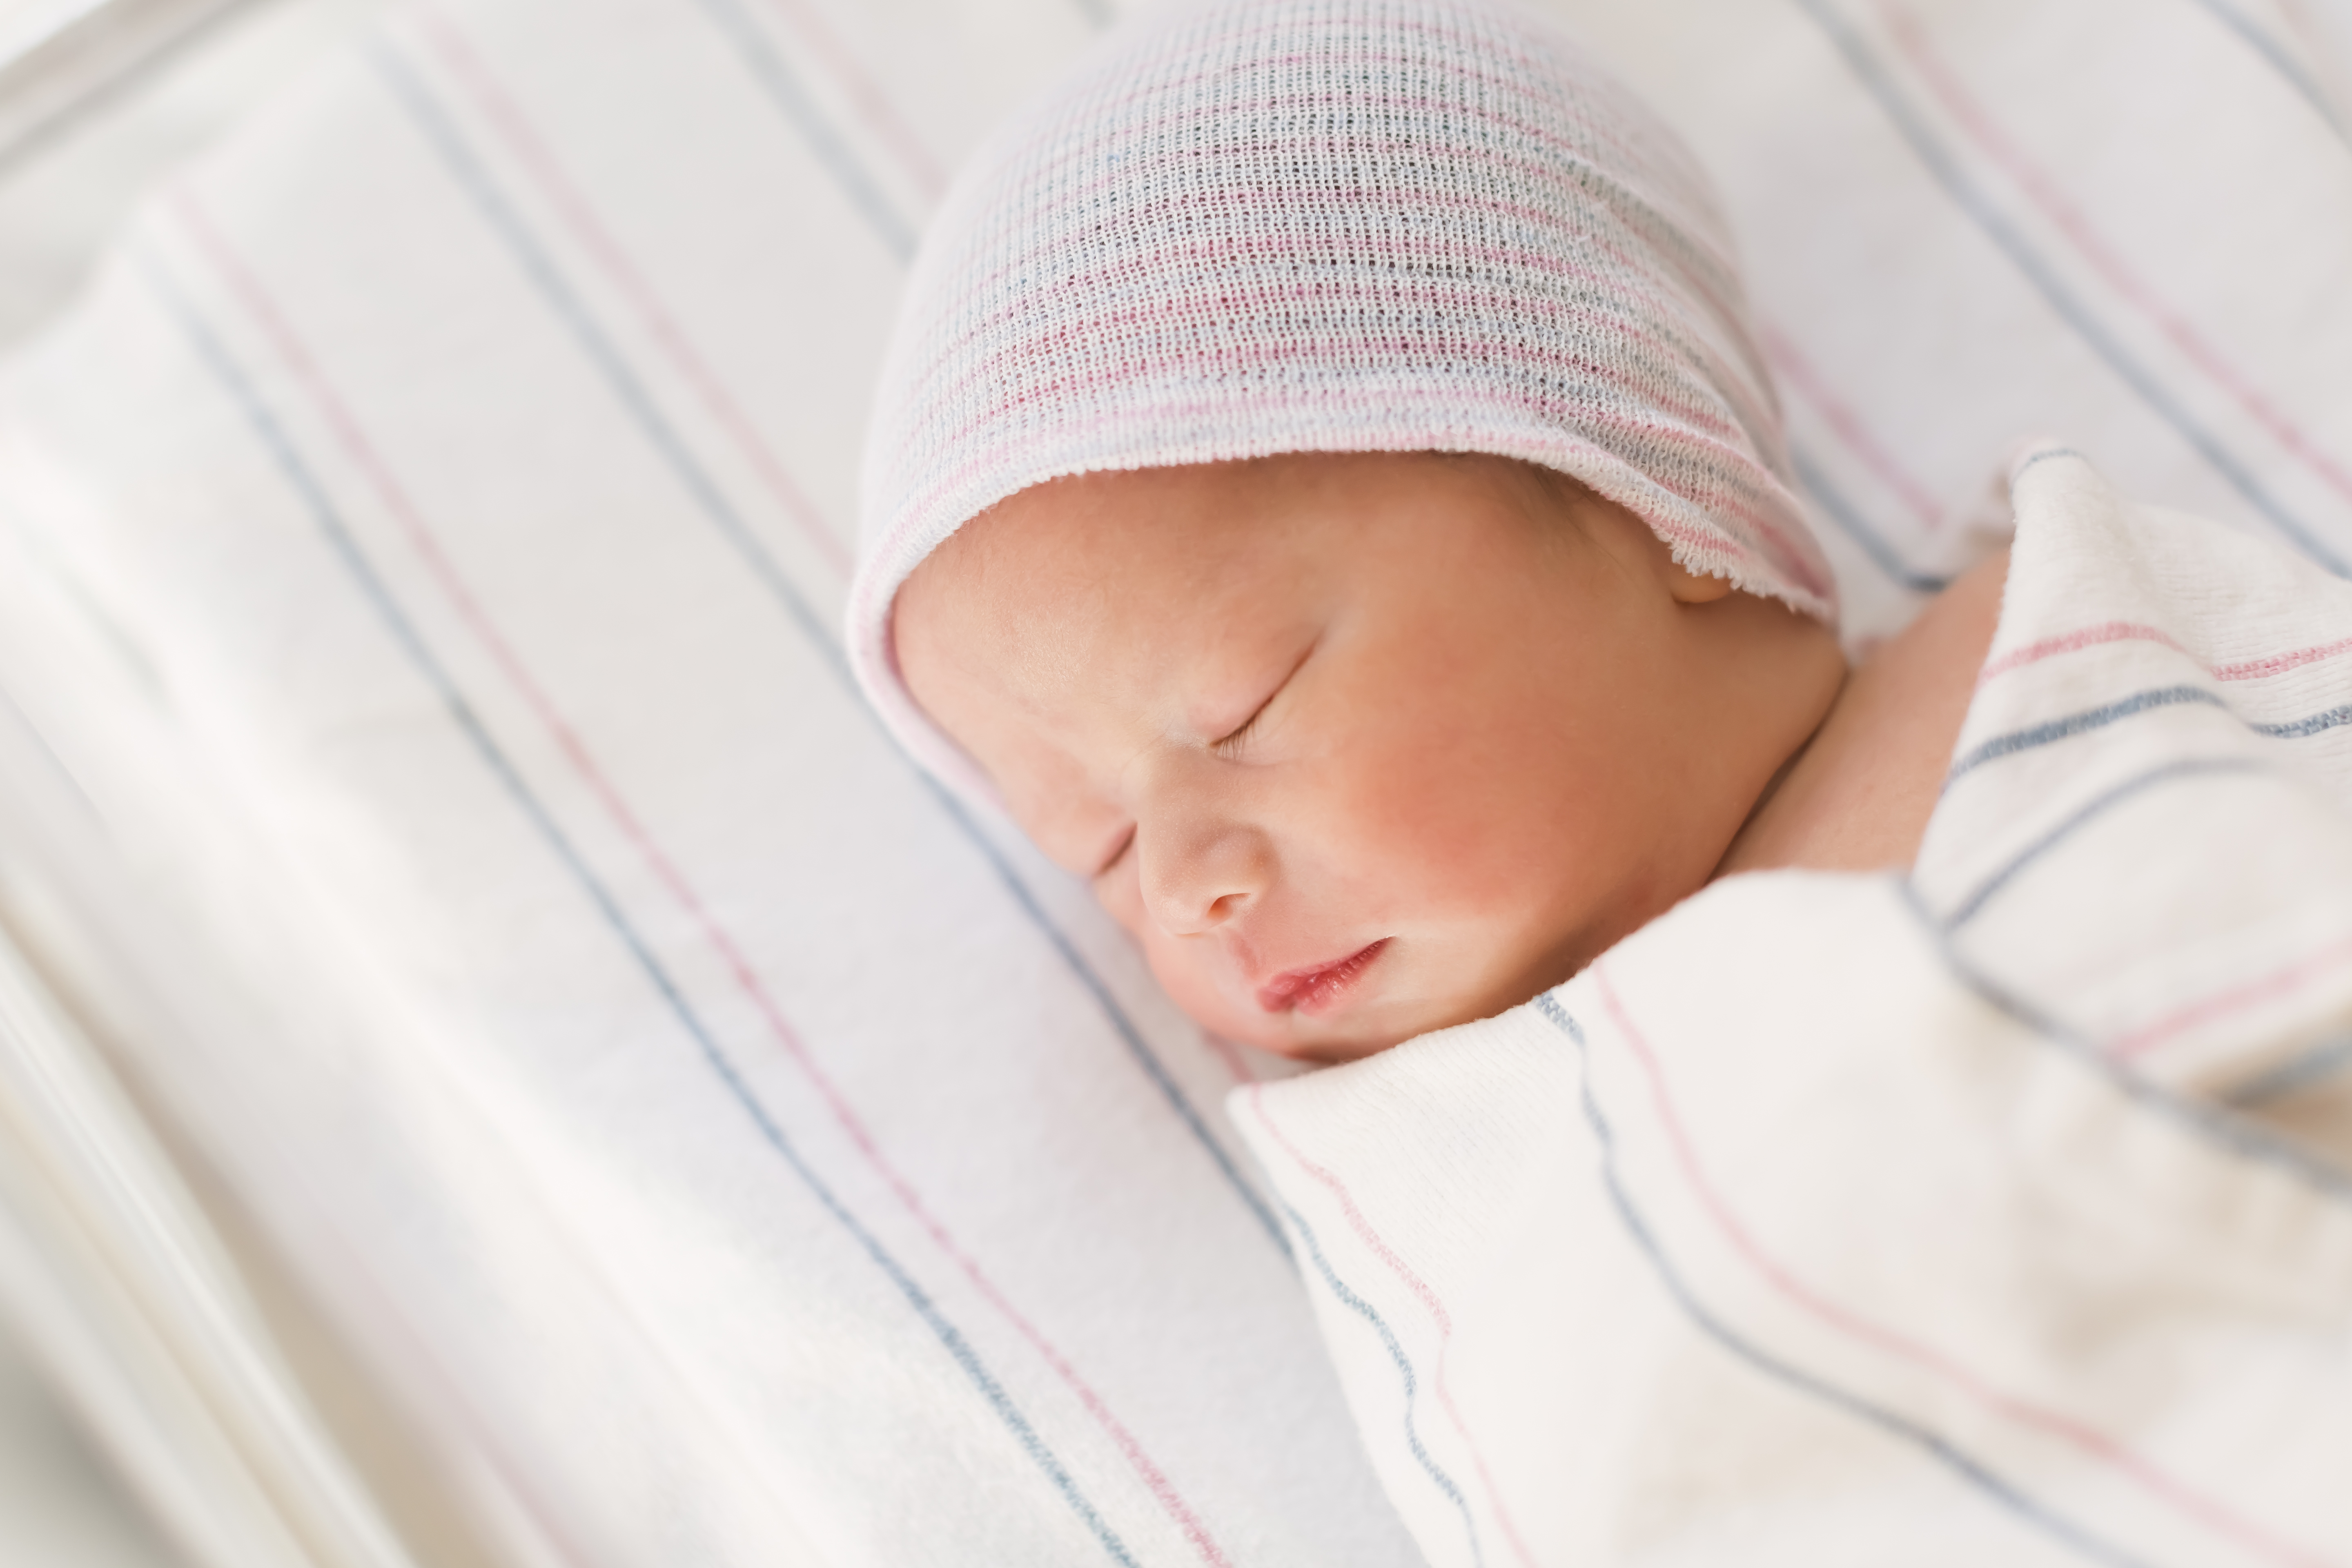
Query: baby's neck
x,y
1857,796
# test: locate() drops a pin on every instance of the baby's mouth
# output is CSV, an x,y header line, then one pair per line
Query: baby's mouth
x,y
1320,989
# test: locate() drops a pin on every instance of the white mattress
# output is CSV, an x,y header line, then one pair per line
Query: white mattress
x,y
425,547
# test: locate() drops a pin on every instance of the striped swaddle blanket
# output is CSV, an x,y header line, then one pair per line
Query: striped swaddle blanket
x,y
1997,1214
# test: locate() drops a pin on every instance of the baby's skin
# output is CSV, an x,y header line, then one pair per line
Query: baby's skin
x,y
1362,745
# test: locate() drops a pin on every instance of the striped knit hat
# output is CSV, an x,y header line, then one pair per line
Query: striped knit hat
x,y
1259,227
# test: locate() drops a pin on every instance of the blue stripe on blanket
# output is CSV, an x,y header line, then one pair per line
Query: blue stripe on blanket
x,y
2149,702
791,100
2306,1070
1850,523
2091,719
2041,456
1974,1471
2236,1135
1365,1311
2275,55
305,484
2098,805
2298,729
506,222
1973,200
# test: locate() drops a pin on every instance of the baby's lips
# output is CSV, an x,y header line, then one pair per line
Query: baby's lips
x,y
1317,988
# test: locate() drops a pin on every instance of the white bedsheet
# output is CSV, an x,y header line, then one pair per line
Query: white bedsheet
x,y
440,511
2002,1214
754,1150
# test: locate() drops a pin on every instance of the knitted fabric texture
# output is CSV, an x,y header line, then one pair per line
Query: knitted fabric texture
x,y
1328,226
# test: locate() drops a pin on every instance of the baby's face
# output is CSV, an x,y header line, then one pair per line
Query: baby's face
x,y
1357,746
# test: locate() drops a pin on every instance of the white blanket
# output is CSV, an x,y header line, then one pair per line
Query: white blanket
x,y
1999,1214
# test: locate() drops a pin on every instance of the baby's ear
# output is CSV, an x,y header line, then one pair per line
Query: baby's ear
x,y
1689,588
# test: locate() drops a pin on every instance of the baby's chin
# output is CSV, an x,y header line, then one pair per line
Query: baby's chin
x,y
1299,1045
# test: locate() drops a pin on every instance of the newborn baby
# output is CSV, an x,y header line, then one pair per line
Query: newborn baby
x,y
1359,747
1325,490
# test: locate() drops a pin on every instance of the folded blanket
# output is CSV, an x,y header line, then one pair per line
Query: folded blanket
x,y
1999,1214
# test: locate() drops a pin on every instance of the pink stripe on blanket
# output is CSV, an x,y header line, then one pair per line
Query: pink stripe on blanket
x,y
2077,1434
2089,636
1420,1293
2252,668
364,455
866,95
2135,631
2284,981
1911,37
532,154
1798,372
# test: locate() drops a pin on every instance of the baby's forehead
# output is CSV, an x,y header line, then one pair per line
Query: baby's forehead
x,y
1080,616
1078,541
1194,563
1090,557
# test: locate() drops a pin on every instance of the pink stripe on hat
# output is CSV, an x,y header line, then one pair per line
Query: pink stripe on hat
x,y
1257,227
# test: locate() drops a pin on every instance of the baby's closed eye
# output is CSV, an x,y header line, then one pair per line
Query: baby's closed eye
x,y
1109,862
1231,743
1227,744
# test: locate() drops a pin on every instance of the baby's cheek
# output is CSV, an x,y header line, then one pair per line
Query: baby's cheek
x,y
1418,831
1119,890
1178,966
1186,970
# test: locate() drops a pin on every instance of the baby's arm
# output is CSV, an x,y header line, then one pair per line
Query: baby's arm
x,y
1859,795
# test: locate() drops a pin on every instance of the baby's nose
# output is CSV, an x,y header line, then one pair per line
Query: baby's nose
x,y
1197,877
